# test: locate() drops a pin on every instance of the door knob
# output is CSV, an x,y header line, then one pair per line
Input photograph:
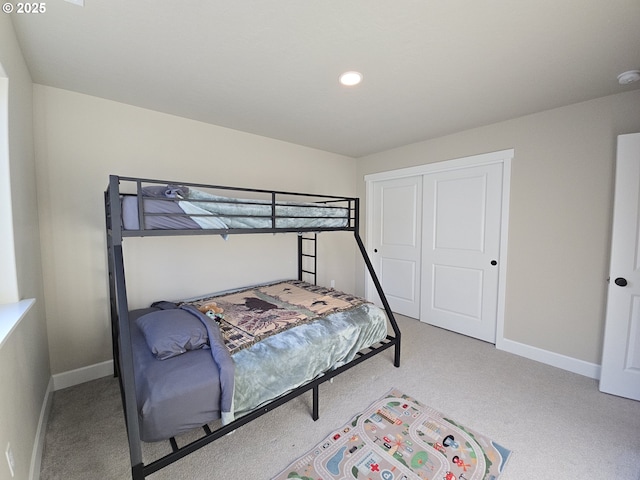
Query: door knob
x,y
494,263
375,250
621,282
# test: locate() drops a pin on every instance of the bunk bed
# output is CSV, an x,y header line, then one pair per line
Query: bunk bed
x,y
147,366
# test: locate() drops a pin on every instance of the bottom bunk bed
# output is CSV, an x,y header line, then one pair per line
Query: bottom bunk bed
x,y
255,345
232,357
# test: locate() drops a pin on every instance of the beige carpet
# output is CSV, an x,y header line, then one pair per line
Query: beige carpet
x,y
558,425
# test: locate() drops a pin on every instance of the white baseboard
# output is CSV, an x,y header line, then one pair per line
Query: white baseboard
x,y
38,446
558,360
591,370
81,375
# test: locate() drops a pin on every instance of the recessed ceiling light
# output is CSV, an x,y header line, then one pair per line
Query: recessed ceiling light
x,y
350,79
631,76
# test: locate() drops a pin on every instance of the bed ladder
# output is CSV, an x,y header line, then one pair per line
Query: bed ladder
x,y
307,257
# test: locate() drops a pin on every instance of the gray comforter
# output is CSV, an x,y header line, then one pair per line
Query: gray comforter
x,y
213,211
188,390
280,363
174,207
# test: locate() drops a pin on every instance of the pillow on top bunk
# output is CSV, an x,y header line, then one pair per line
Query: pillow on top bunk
x,y
165,191
172,332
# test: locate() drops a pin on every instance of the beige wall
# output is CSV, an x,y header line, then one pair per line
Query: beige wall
x,y
560,215
24,376
558,239
80,140
24,356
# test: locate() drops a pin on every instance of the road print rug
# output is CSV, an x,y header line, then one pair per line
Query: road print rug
x,y
399,438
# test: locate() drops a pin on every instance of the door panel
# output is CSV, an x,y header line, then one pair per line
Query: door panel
x,y
461,239
396,242
620,374
403,273
460,213
452,283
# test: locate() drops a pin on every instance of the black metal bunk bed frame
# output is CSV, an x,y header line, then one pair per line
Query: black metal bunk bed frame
x,y
121,337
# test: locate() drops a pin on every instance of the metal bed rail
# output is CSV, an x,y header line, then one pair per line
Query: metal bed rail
x,y
272,199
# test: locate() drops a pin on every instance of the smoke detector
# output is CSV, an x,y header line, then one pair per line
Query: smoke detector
x,y
628,77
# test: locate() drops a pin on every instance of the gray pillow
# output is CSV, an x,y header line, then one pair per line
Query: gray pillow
x,y
165,191
172,332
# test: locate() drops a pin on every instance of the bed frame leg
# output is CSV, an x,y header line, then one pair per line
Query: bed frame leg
x,y
137,472
316,400
396,358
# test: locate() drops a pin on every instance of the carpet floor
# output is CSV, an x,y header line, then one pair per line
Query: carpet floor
x,y
557,424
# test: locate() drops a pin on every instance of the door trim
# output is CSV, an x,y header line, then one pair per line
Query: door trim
x,y
504,157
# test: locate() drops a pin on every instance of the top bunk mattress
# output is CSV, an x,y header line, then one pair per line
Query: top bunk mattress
x,y
175,207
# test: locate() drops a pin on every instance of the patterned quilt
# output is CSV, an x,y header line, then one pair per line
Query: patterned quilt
x,y
253,314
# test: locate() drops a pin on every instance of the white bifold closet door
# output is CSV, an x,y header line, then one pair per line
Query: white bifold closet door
x,y
436,241
461,250
396,242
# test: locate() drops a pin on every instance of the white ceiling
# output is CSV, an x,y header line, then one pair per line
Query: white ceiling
x,y
270,67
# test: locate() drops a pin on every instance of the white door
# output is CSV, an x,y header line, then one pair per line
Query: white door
x,y
620,374
395,243
461,250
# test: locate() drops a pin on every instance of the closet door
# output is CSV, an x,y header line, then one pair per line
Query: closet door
x,y
396,243
461,249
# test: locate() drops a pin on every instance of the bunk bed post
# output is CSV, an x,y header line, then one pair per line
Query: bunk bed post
x,y
112,287
300,255
126,368
376,282
315,415
124,348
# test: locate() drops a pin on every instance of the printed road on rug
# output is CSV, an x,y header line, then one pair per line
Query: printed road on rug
x,y
399,438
